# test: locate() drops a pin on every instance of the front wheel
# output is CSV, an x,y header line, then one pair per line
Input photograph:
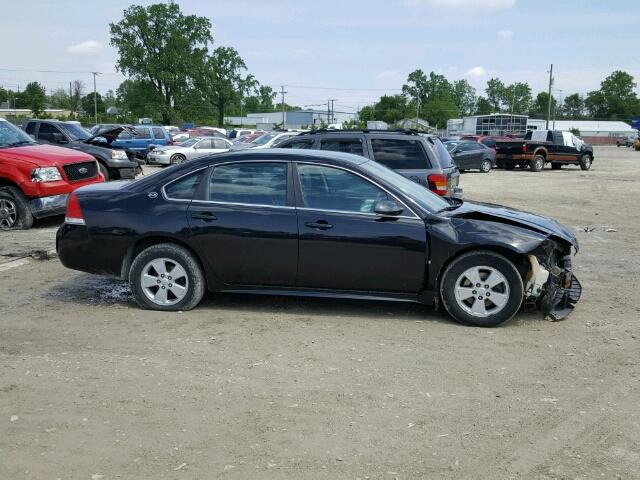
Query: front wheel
x,y
585,162
481,288
485,166
177,159
14,209
166,277
104,171
537,164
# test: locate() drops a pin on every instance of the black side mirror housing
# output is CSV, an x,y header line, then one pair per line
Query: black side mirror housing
x,y
387,208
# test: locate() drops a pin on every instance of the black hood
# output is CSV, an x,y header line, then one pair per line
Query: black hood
x,y
110,134
499,213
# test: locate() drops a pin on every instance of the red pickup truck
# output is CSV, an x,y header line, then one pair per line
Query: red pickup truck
x,y
35,180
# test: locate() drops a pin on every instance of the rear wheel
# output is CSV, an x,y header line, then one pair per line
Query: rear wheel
x,y
556,165
14,209
166,277
585,162
485,166
481,288
537,164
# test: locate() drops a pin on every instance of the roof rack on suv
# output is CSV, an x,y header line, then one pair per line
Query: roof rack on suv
x,y
405,131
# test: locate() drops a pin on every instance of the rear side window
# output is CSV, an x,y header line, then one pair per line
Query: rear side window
x,y
346,145
263,183
219,143
46,132
184,188
399,154
299,144
142,133
158,133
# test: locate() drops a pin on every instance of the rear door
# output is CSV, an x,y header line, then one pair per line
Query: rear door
x,y
245,223
159,136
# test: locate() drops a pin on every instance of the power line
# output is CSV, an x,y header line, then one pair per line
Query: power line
x,y
57,71
346,89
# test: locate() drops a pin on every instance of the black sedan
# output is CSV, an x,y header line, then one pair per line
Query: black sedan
x,y
469,155
319,223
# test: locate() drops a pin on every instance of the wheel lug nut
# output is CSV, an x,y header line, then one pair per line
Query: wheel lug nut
x,y
163,287
478,285
159,281
479,298
474,292
488,294
487,287
162,275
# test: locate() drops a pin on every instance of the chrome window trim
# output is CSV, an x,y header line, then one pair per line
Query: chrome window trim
x,y
237,204
168,198
366,179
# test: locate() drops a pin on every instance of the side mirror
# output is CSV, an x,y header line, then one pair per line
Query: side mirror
x,y
59,138
387,208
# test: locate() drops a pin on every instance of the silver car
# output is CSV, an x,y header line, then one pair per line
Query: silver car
x,y
188,150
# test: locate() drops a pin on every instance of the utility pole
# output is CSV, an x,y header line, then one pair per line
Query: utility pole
x,y
333,112
513,101
284,115
70,99
549,106
328,112
95,98
417,111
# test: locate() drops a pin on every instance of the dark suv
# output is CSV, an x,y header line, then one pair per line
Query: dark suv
x,y
114,162
422,158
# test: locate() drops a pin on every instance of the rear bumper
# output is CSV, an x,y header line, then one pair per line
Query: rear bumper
x,y
47,206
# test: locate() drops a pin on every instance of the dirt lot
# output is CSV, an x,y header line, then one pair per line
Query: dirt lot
x,y
264,387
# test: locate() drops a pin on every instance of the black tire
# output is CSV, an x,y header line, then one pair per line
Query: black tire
x,y
481,258
537,164
461,170
585,162
556,165
15,213
509,166
499,164
485,166
177,159
195,285
104,171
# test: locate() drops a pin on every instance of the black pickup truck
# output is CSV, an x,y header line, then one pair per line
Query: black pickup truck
x,y
543,146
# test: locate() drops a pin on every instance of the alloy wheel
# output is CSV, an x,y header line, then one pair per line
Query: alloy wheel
x,y
164,281
8,214
482,291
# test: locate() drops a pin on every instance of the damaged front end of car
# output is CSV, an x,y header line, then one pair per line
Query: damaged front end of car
x,y
550,284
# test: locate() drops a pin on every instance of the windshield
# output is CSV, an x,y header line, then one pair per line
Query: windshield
x,y
189,142
262,139
420,195
12,136
76,132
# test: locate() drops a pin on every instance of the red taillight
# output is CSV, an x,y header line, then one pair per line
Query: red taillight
x,y
524,148
74,212
437,183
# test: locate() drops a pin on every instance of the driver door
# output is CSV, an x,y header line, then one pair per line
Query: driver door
x,y
344,245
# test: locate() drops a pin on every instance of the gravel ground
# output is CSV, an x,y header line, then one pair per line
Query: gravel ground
x,y
263,387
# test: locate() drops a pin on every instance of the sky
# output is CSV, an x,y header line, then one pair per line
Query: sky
x,y
352,51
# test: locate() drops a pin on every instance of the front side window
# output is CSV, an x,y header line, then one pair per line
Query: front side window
x,y
399,154
260,183
346,145
327,188
184,188
46,132
205,143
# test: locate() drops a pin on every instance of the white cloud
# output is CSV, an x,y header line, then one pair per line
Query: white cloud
x,y
505,34
464,4
88,47
476,72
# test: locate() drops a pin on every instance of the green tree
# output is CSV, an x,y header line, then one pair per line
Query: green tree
x,y
262,101
465,97
483,107
517,98
139,99
77,92
88,106
35,98
540,105
160,45
435,94
573,106
59,98
615,99
222,80
496,94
